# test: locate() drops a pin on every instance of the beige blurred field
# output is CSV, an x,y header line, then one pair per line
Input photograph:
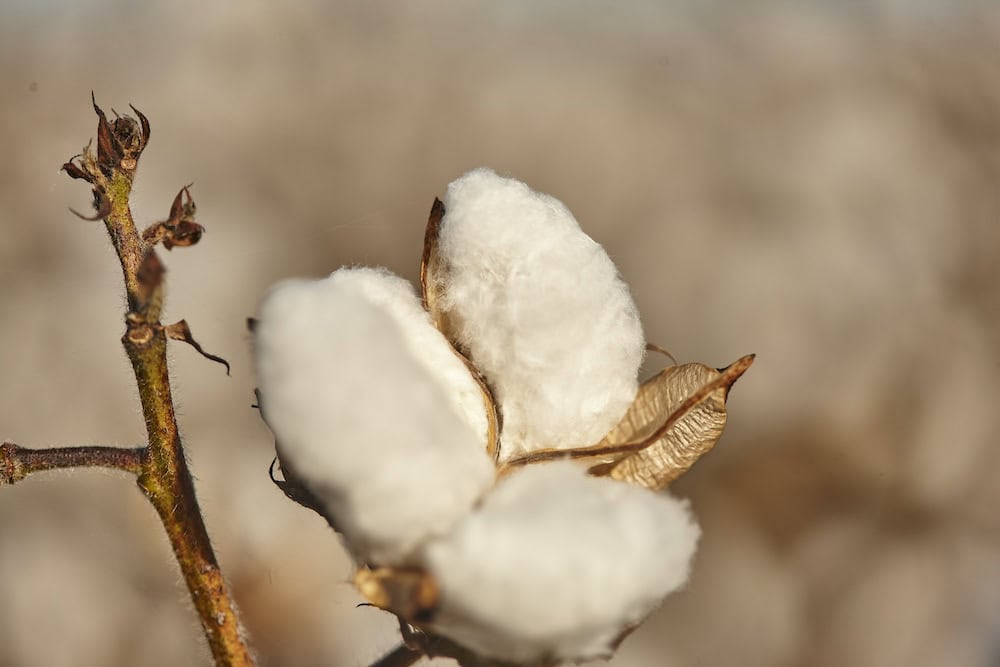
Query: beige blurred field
x,y
816,183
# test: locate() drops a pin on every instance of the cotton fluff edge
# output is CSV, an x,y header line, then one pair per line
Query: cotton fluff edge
x,y
557,564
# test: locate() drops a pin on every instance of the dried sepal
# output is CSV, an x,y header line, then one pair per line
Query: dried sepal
x,y
430,273
119,142
144,124
676,415
181,331
102,206
408,592
76,171
694,397
179,229
108,150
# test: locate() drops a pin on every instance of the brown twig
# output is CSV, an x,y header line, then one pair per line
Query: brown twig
x,y
18,462
161,467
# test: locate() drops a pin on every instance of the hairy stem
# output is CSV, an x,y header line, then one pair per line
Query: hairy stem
x,y
164,477
161,468
18,462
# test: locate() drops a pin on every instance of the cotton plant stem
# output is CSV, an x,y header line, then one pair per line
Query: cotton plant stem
x,y
160,467
18,462
164,476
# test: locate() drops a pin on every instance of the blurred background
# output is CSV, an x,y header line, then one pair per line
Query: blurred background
x,y
816,182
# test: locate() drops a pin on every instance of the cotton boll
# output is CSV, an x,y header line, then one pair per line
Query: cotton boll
x,y
363,424
556,564
539,307
428,345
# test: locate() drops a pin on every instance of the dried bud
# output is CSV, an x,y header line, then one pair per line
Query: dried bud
x,y
179,229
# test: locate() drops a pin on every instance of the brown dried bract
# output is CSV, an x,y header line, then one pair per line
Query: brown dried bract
x,y
179,229
181,331
119,142
694,397
677,415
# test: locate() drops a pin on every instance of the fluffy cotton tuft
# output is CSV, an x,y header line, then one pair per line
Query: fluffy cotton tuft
x,y
556,564
427,345
540,309
365,424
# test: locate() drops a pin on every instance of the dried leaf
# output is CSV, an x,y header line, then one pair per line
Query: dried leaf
x,y
181,331
102,206
410,593
75,171
678,415
186,233
681,414
179,229
108,151
652,347
431,273
144,123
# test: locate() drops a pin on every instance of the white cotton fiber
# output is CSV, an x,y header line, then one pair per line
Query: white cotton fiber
x,y
556,564
428,345
369,428
539,307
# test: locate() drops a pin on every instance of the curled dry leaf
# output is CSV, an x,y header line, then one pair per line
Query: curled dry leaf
x,y
76,171
181,331
102,205
431,281
179,229
679,415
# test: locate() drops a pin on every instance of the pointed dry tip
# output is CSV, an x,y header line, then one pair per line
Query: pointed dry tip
x,y
735,370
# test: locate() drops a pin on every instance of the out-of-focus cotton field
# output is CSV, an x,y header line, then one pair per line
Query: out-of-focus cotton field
x,y
818,183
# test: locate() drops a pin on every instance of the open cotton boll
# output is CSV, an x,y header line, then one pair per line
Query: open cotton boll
x,y
556,564
364,425
540,309
428,345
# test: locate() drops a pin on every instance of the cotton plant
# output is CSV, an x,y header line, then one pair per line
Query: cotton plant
x,y
484,446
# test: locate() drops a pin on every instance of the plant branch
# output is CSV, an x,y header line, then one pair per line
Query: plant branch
x,y
402,656
18,462
163,474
